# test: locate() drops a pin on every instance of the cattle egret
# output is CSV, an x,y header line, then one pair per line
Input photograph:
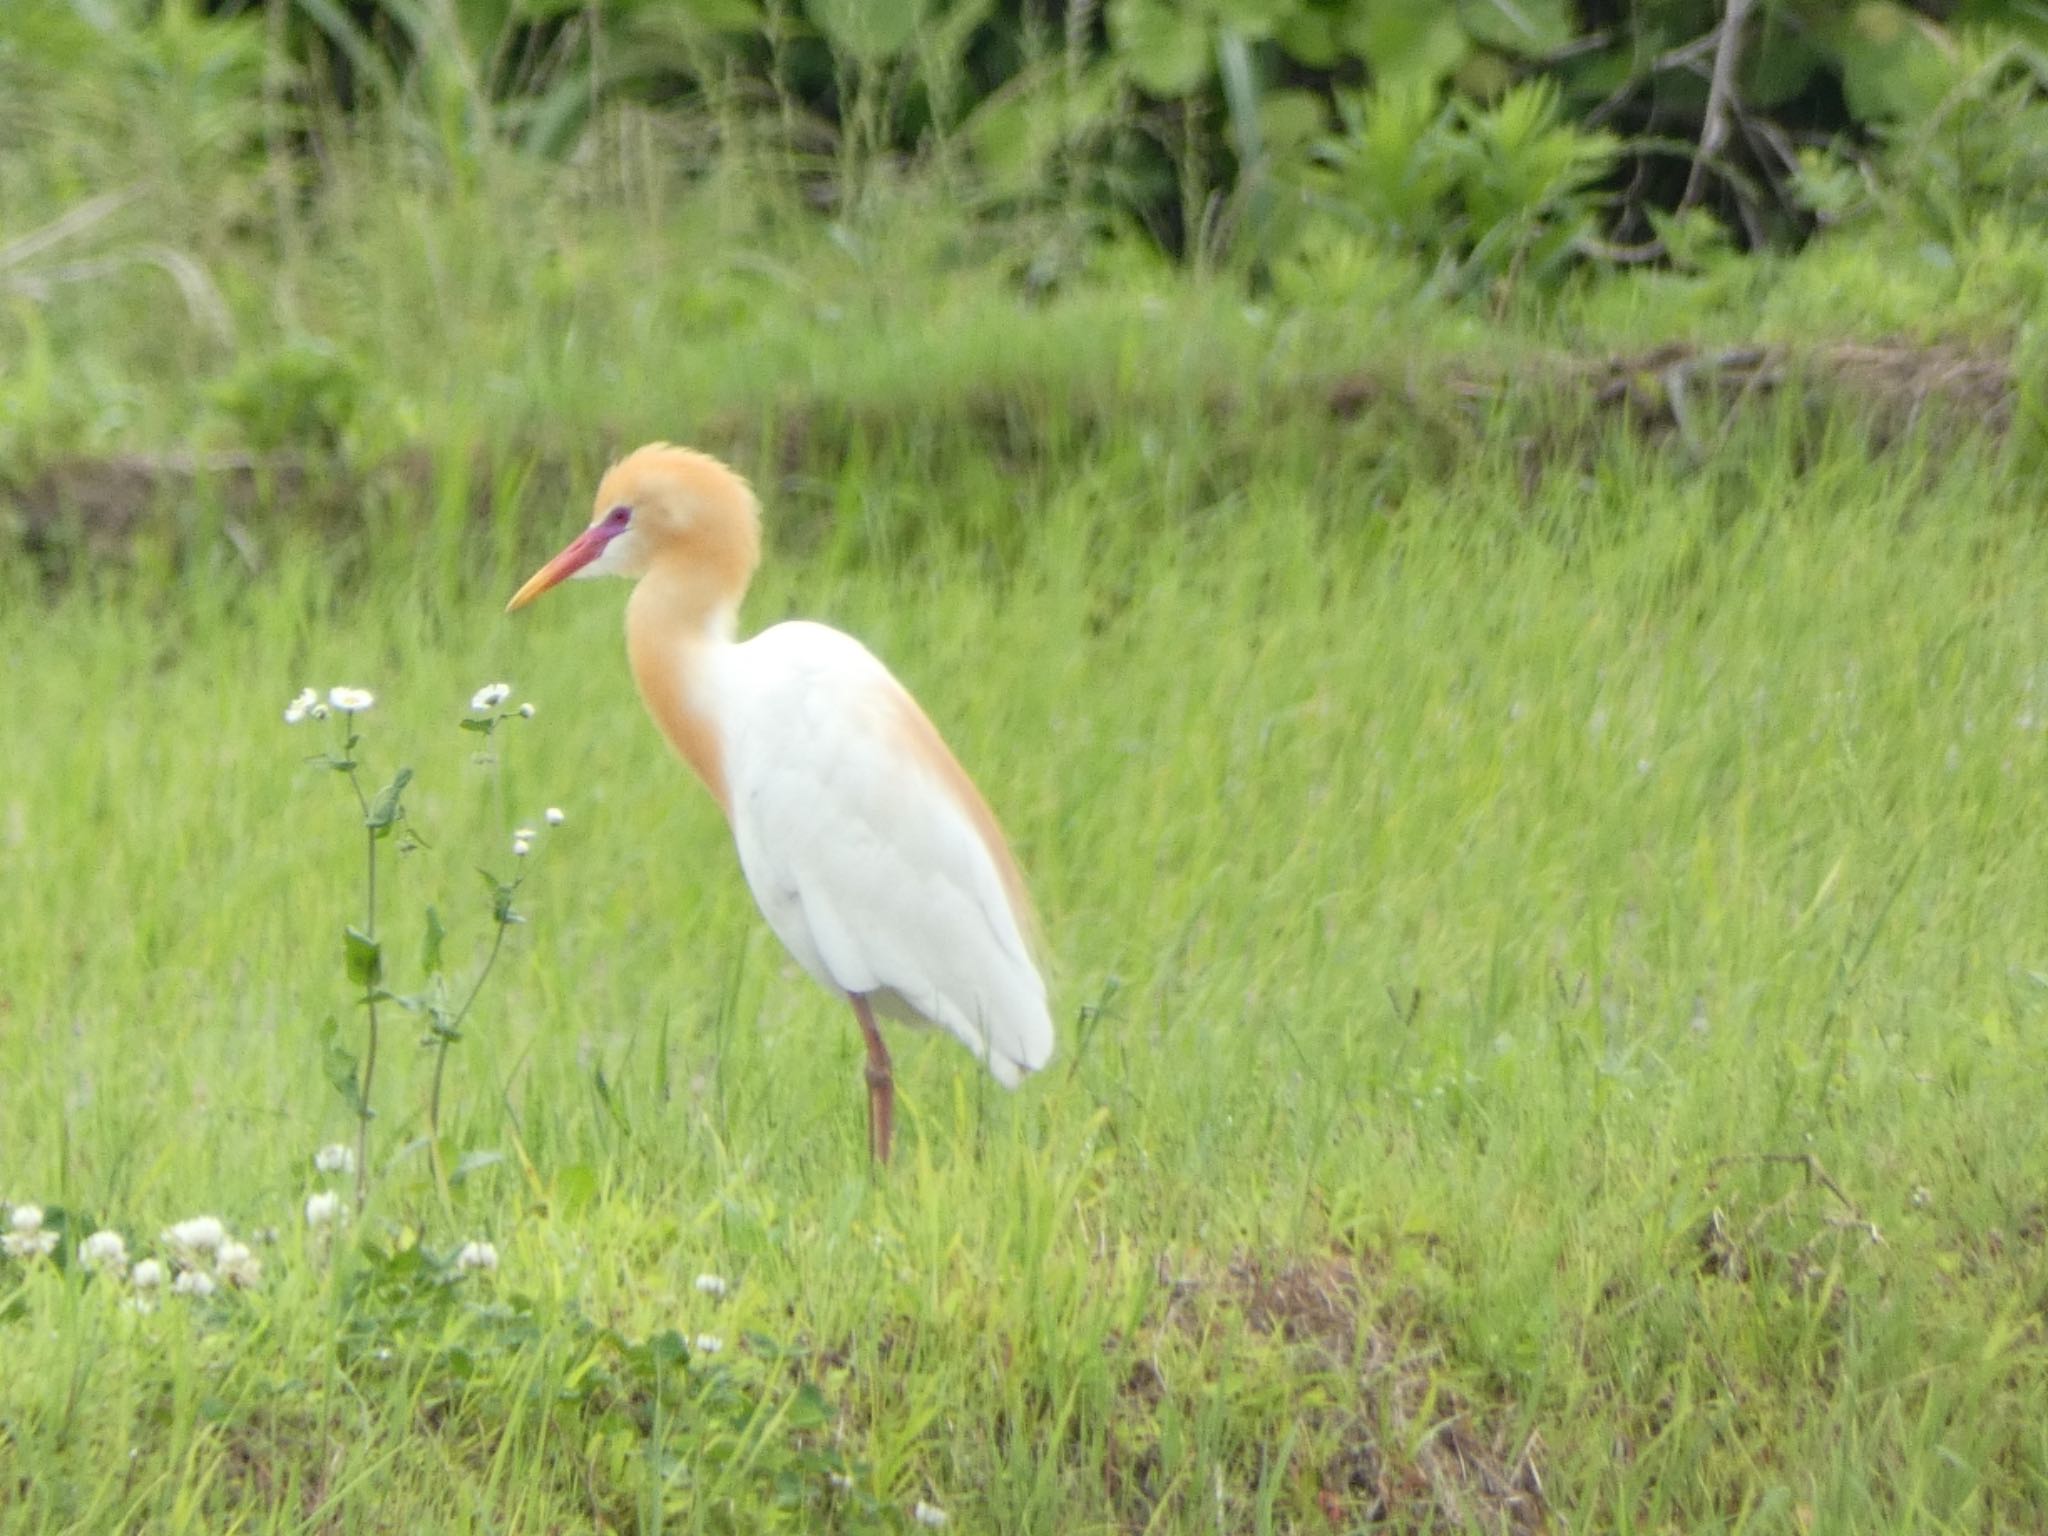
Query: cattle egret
x,y
870,852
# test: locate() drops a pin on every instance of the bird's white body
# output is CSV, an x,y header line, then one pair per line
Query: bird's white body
x,y
871,853
867,867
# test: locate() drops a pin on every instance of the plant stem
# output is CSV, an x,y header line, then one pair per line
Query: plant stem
x,y
363,1111
369,1073
444,1038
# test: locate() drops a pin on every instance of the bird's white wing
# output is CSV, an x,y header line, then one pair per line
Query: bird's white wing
x,y
870,855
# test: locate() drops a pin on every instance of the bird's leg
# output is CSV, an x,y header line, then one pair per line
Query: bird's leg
x,y
881,1085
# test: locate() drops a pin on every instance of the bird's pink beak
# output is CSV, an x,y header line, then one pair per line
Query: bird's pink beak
x,y
582,549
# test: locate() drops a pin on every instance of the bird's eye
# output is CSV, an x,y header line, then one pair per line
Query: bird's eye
x,y
618,517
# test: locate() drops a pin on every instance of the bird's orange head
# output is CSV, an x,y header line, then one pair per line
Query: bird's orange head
x,y
663,506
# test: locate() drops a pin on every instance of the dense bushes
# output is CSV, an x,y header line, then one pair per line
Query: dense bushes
x,y
1495,137
353,226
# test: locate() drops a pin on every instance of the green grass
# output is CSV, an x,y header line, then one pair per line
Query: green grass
x,y
1529,897
1459,890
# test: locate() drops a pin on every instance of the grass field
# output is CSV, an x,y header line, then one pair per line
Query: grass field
x,y
1538,831
1551,966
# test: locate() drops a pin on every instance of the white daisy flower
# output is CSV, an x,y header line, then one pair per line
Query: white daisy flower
x,y
238,1266
712,1285
335,1157
351,701
193,1282
928,1515
323,1209
553,816
709,1344
148,1275
301,706
489,697
201,1234
477,1254
318,711
526,711
104,1251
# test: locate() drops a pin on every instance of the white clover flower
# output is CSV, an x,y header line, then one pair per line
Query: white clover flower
x,y
238,1266
323,1209
709,1344
28,1238
929,1515
335,1157
712,1285
193,1282
104,1251
477,1254
840,1481
489,697
37,1244
201,1234
521,847
351,701
147,1275
526,711
301,706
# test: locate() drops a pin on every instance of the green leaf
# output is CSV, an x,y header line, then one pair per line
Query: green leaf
x,y
1256,19
667,1349
1290,119
501,905
338,1066
364,958
471,723
1020,134
430,945
575,1186
719,15
1310,37
807,1408
867,31
1895,64
1421,43
1164,46
475,1162
1528,28
385,809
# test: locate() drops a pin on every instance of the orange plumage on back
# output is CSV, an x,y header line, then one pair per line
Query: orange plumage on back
x,y
921,741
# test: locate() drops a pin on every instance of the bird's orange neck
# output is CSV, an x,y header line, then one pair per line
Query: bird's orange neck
x,y
680,613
